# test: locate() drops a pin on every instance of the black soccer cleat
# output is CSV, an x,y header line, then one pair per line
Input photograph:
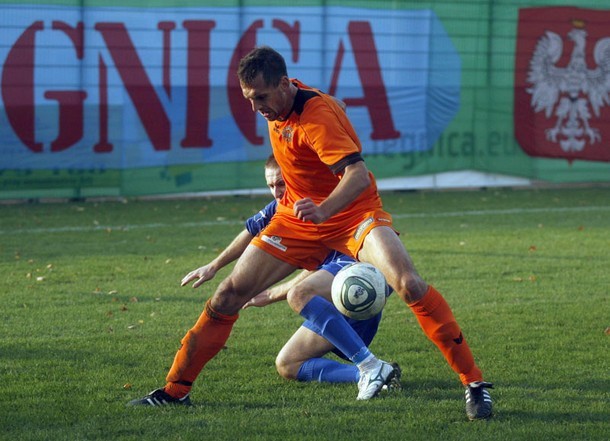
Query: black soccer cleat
x,y
159,398
478,400
394,385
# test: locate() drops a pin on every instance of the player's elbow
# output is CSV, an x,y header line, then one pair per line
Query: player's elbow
x,y
365,180
359,176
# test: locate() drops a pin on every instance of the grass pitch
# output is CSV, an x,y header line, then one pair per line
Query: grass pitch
x,y
92,314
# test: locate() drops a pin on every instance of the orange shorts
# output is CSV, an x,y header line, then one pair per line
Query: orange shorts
x,y
306,245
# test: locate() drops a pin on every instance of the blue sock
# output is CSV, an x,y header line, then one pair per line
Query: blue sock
x,y
334,328
328,371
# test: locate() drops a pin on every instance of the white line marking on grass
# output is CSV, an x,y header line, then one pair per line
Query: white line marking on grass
x,y
511,211
502,211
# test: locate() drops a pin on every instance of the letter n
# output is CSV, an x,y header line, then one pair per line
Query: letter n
x,y
140,89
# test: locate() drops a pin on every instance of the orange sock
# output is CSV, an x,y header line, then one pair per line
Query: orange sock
x,y
438,323
200,344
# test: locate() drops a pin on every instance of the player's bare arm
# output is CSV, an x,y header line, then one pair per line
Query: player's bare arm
x,y
228,255
354,181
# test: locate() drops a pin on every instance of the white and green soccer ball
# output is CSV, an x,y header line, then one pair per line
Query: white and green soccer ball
x,y
359,291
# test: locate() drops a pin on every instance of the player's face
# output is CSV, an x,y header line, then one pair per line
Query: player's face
x,y
272,102
275,182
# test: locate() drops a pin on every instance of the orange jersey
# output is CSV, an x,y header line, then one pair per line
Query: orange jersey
x,y
311,147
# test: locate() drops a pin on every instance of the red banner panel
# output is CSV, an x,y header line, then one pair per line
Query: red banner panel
x,y
562,83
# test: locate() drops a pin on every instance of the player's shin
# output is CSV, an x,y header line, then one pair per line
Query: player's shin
x,y
333,327
200,344
438,323
328,371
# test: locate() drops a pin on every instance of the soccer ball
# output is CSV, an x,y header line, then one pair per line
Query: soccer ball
x,y
359,291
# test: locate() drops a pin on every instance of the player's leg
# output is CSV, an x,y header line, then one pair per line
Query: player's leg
x,y
301,359
383,248
254,271
326,321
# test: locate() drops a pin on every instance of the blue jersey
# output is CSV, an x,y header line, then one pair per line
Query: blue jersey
x,y
260,220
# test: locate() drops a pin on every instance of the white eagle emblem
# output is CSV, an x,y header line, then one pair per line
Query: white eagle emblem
x,y
567,92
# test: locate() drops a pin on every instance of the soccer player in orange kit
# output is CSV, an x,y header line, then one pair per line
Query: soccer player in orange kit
x,y
330,203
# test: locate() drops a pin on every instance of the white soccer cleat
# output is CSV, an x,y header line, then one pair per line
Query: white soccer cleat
x,y
373,380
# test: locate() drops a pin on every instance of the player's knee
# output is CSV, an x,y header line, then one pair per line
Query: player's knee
x,y
228,298
298,296
285,368
409,286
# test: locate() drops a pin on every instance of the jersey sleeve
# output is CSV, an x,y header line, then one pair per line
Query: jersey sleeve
x,y
329,130
260,220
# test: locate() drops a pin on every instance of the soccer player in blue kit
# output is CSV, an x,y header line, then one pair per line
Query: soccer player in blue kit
x,y
301,358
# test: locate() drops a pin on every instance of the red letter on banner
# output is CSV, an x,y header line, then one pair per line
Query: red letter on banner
x,y
140,89
18,87
70,101
198,84
240,108
375,97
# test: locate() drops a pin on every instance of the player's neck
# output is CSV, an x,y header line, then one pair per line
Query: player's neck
x,y
290,97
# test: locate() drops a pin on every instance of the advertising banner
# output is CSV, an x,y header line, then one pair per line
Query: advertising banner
x,y
124,88
109,98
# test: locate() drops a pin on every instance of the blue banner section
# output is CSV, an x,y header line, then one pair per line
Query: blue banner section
x,y
126,88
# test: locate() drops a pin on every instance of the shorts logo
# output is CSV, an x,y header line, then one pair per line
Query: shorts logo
x,y
362,227
274,241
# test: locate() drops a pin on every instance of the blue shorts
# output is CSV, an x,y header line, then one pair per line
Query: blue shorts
x,y
366,329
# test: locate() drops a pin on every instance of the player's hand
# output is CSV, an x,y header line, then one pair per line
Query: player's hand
x,y
307,210
259,300
200,275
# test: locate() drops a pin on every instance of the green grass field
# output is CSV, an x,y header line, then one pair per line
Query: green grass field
x,y
92,314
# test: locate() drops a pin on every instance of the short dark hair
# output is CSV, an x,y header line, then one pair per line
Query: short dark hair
x,y
262,60
271,162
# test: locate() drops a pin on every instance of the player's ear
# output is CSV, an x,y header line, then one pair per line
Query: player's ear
x,y
285,82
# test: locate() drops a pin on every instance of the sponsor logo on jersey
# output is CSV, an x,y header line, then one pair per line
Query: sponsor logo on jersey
x,y
287,134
